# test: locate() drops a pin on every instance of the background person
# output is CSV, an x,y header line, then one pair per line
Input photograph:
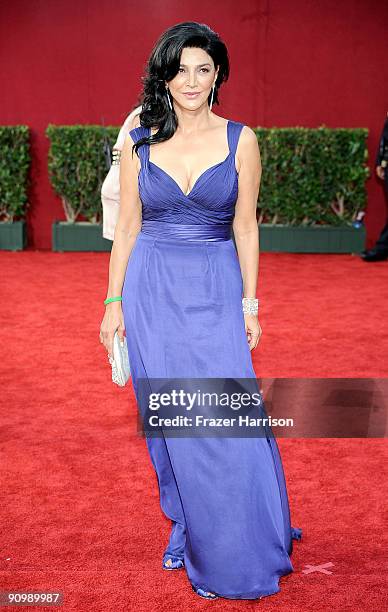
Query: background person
x,y
380,251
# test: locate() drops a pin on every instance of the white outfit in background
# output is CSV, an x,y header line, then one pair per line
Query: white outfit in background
x,y
110,189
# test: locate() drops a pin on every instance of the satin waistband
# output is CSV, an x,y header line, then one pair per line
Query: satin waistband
x,y
188,232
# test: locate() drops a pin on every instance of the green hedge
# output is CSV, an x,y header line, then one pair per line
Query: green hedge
x,y
14,166
77,167
312,176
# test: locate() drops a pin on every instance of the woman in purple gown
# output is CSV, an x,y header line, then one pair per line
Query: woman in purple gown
x,y
189,309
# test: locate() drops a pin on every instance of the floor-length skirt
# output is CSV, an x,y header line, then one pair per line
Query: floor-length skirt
x,y
226,496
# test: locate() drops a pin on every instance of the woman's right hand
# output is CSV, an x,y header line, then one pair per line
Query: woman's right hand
x,y
113,319
380,171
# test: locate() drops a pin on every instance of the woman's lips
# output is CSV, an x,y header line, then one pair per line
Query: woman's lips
x,y
192,95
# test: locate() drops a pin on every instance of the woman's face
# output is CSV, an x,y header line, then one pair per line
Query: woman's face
x,y
196,75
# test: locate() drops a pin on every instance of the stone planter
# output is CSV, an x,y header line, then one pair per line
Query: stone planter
x,y
312,239
13,235
82,236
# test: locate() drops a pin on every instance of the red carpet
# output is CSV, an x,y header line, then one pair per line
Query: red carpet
x,y
80,511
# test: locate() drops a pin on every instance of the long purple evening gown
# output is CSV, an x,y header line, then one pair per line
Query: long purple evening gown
x,y
226,497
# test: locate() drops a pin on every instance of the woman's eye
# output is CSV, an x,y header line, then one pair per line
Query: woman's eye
x,y
204,69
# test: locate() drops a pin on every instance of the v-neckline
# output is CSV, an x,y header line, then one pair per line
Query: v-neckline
x,y
186,195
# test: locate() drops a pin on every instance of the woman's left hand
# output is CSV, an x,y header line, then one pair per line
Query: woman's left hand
x,y
253,330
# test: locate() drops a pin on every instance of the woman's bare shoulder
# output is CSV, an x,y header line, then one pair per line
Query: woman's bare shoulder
x,y
248,135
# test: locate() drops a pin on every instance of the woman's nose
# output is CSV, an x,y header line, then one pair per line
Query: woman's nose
x,y
192,80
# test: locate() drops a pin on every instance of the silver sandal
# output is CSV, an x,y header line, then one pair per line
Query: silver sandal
x,y
176,562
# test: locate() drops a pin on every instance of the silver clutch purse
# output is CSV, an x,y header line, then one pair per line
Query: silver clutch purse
x,y
120,363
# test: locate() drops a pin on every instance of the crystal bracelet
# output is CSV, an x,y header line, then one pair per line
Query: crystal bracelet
x,y
250,306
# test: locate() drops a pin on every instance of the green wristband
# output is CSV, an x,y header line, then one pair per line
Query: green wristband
x,y
113,299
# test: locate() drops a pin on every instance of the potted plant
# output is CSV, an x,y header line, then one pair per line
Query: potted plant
x,y
312,190
14,183
77,169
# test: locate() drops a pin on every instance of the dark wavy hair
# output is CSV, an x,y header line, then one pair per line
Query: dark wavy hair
x,y
163,65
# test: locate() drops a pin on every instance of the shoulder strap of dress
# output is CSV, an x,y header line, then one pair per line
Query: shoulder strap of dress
x,y
136,134
235,128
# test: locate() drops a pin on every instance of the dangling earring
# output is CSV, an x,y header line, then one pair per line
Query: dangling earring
x,y
168,99
211,99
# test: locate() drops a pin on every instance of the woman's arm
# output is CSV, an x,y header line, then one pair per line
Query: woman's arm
x,y
129,220
126,230
245,227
